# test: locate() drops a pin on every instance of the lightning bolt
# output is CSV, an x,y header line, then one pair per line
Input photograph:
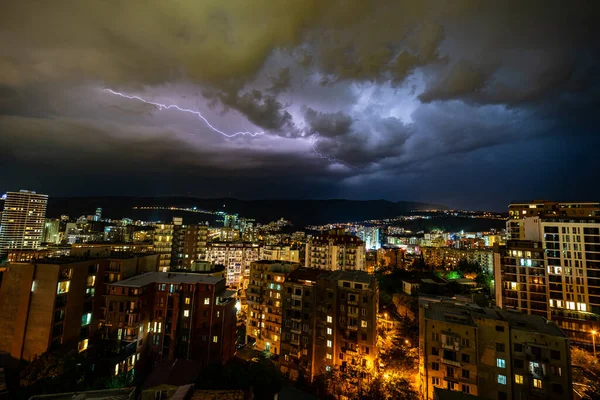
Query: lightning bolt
x,y
161,106
313,139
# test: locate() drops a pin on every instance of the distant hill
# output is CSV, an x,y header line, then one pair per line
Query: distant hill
x,y
300,212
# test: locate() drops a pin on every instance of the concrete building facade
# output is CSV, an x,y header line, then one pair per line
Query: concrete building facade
x,y
265,296
492,354
335,251
23,219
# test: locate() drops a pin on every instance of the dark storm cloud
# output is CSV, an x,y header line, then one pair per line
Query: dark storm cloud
x,y
281,81
328,124
399,89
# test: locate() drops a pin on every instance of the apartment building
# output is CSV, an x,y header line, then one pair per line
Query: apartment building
x,y
170,315
23,219
189,245
265,296
236,257
544,208
49,303
329,321
491,353
521,277
450,257
163,244
334,251
280,252
571,261
56,301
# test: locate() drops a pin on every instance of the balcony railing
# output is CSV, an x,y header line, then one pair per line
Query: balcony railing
x,y
453,346
450,362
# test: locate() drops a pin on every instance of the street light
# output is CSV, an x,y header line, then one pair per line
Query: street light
x,y
594,341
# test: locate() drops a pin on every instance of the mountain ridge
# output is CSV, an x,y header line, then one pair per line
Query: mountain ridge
x,y
298,211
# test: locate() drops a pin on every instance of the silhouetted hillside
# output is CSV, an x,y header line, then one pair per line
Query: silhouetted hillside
x,y
300,212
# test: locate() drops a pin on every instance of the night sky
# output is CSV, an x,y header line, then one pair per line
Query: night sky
x,y
464,103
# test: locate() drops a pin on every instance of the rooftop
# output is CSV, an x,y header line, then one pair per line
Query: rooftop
x,y
304,274
353,276
467,314
167,277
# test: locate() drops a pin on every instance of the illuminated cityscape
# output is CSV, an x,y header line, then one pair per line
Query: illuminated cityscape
x,y
296,200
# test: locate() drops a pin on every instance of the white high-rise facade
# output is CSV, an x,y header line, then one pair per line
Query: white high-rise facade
x,y
23,218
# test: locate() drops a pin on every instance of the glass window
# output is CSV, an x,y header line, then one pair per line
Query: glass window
x,y
329,343
502,379
187,300
537,383
86,319
500,363
519,379
215,339
186,313
83,345
206,300
363,324
63,287
329,319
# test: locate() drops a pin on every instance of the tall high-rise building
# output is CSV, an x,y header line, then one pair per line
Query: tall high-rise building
x,y
163,245
370,236
52,232
329,321
98,215
544,208
23,218
492,354
557,262
335,251
265,298
189,245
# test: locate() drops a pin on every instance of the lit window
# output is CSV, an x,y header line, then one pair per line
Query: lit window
x,y
502,379
329,331
329,356
187,300
186,313
86,319
159,327
117,369
63,287
500,363
206,300
329,343
329,319
537,383
83,345
519,379
215,339
363,324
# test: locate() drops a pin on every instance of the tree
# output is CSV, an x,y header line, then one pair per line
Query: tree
x,y
55,371
586,373
263,376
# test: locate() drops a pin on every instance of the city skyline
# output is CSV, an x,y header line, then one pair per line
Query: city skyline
x,y
440,106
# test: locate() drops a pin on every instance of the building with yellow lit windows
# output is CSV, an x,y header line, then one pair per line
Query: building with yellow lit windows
x,y
265,302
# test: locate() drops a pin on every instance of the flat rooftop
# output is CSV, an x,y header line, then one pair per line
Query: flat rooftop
x,y
167,277
466,314
352,276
